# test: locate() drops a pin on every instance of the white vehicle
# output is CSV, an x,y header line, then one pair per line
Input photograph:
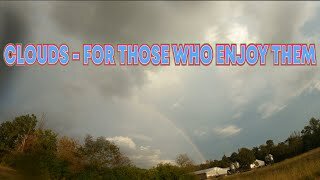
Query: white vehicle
x,y
257,163
234,168
211,172
269,159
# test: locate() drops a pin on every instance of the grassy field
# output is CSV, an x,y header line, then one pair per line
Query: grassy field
x,y
305,166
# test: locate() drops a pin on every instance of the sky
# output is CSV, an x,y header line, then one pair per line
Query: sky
x,y
156,113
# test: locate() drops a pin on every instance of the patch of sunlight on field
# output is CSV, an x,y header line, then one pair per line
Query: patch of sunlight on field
x,y
305,166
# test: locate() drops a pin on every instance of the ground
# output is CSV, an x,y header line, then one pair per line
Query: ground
x,y
7,173
304,166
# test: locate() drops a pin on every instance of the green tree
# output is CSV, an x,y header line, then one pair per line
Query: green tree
x,y
311,134
183,160
295,143
269,144
102,153
281,151
38,157
234,157
225,162
168,171
245,157
15,132
68,151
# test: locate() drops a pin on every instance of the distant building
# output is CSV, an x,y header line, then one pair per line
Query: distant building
x,y
257,163
211,172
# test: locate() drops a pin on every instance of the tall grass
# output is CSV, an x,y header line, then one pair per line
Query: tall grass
x,y
305,166
7,173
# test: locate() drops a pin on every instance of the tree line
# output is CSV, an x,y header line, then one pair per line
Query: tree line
x,y
38,152
297,143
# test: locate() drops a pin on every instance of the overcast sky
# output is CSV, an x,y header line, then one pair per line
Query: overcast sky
x,y
155,113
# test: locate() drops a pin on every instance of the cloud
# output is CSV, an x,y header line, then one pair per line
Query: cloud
x,y
144,148
239,33
142,156
142,137
13,29
177,104
237,115
148,157
317,86
123,141
268,109
199,132
229,130
144,104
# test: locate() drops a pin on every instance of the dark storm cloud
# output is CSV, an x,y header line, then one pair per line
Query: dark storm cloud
x,y
103,101
94,22
111,22
108,23
12,30
118,22
132,22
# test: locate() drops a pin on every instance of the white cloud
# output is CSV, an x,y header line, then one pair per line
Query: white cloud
x,y
144,156
199,132
211,33
144,148
227,131
237,115
239,34
142,137
147,157
317,85
177,104
123,141
268,109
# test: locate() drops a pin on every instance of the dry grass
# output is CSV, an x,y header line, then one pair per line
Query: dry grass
x,y
7,173
305,166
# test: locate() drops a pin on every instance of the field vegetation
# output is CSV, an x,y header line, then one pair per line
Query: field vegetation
x,y
29,150
305,166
